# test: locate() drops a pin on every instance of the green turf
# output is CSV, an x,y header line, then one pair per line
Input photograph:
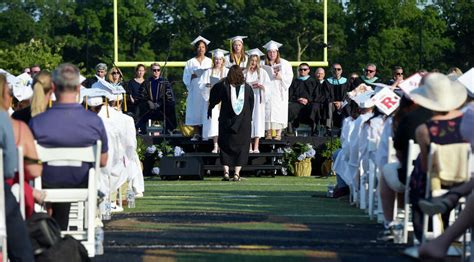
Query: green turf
x,y
288,197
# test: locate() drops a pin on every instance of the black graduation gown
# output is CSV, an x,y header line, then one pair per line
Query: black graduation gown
x,y
363,80
338,89
298,89
160,92
234,130
319,98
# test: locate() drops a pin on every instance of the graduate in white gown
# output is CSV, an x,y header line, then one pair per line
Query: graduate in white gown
x,y
237,54
193,71
258,79
281,75
210,127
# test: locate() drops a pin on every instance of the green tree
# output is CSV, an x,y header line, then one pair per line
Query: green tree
x,y
26,54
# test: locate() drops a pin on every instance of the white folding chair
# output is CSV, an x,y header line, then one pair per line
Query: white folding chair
x,y
462,153
3,222
413,152
391,157
21,179
70,157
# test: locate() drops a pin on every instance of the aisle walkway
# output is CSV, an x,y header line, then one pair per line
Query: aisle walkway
x,y
257,219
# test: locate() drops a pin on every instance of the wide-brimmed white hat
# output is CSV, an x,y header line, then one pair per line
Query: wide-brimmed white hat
x,y
439,93
390,174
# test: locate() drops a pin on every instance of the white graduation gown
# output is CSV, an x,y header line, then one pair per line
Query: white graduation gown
x,y
381,154
368,140
194,100
210,127
276,110
354,154
132,164
228,64
260,99
342,159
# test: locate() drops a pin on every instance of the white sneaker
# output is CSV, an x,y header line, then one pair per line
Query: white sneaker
x,y
196,137
115,208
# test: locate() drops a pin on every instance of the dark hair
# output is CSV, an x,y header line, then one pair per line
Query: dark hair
x,y
304,64
397,68
235,76
138,66
196,45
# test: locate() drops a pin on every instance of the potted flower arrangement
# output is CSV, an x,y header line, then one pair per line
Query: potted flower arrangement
x,y
297,159
330,147
154,153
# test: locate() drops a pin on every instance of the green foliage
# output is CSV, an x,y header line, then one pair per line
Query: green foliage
x,y
330,147
141,148
297,152
33,52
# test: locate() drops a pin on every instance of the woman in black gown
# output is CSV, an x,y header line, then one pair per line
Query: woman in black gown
x,y
236,103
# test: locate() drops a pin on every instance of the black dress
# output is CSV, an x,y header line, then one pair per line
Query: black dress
x,y
234,130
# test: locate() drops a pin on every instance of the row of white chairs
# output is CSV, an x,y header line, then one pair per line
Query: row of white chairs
x,y
368,197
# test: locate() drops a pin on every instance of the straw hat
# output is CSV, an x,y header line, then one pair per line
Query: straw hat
x,y
439,93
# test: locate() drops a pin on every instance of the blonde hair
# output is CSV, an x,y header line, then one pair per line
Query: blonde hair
x,y
109,75
42,84
3,85
247,68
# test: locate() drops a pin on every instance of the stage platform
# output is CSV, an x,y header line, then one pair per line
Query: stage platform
x,y
266,163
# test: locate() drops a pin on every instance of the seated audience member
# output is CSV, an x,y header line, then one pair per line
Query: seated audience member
x,y
443,97
115,77
299,102
320,96
42,90
100,72
338,87
438,247
32,166
18,241
161,100
397,77
368,78
67,124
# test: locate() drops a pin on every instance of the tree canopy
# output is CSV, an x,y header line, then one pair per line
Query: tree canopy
x,y
413,34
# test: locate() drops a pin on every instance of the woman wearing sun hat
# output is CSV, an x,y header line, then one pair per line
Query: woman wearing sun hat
x,y
443,97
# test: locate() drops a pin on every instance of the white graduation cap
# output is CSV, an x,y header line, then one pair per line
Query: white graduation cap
x,y
108,87
94,101
467,79
114,97
238,38
20,91
200,38
218,53
93,92
364,100
272,45
25,79
255,51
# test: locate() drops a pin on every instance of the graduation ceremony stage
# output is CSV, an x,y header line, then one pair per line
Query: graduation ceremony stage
x,y
198,160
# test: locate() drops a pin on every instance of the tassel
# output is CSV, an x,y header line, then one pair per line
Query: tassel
x,y
50,103
125,102
107,106
117,103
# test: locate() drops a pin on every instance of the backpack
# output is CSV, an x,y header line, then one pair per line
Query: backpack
x,y
47,243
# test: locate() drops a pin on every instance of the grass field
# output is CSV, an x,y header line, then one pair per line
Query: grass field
x,y
257,219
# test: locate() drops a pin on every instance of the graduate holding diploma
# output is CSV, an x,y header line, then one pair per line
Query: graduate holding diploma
x,y
210,127
193,71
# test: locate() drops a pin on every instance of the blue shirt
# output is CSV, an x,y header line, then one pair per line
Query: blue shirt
x,y
67,125
7,144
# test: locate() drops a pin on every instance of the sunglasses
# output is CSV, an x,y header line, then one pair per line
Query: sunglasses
x,y
156,70
369,71
35,72
115,73
399,74
337,69
303,69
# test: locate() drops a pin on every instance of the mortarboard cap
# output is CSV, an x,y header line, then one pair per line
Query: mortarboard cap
x,y
200,38
93,92
238,38
255,51
272,45
219,53
94,101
